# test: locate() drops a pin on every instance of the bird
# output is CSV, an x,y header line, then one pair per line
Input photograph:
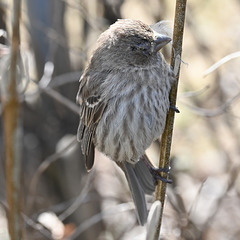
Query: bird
x,y
124,99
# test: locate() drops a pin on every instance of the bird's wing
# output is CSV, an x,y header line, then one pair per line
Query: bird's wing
x,y
91,110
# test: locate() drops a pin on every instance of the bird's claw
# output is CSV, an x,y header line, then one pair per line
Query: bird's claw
x,y
156,173
175,109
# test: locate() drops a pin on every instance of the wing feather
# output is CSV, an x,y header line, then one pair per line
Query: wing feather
x,y
91,110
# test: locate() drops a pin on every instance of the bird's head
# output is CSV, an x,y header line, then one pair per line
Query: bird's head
x,y
129,43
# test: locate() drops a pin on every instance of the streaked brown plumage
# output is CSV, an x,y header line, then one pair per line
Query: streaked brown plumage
x,y
124,99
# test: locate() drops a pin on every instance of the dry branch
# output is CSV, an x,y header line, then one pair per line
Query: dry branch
x,y
13,133
167,135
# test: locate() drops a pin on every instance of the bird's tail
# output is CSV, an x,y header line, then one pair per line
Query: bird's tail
x,y
140,181
144,175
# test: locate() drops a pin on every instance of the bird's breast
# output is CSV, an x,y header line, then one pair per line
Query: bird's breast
x,y
133,118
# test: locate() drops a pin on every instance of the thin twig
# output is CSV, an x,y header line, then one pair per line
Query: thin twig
x,y
221,62
233,175
215,111
195,93
124,207
65,78
37,226
97,25
13,133
79,199
44,165
61,99
44,86
167,135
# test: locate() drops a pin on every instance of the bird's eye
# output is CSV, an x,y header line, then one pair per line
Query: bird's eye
x,y
134,48
144,47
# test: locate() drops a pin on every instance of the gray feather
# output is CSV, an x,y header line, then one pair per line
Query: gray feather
x,y
144,176
137,193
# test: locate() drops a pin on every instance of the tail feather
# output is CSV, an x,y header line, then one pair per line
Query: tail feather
x,y
140,181
136,191
144,176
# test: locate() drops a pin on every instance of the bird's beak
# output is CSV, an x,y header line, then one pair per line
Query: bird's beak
x,y
160,41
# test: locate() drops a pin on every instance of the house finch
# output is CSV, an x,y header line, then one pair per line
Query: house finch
x,y
124,100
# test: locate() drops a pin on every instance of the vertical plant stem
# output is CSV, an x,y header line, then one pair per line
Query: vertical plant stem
x,y
12,132
167,135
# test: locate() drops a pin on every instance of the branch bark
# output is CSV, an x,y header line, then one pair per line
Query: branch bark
x,y
167,135
12,132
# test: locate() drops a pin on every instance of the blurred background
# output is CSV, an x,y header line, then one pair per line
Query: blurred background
x,y
60,199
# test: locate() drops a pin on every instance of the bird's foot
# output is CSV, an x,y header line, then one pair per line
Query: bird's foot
x,y
157,172
175,109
